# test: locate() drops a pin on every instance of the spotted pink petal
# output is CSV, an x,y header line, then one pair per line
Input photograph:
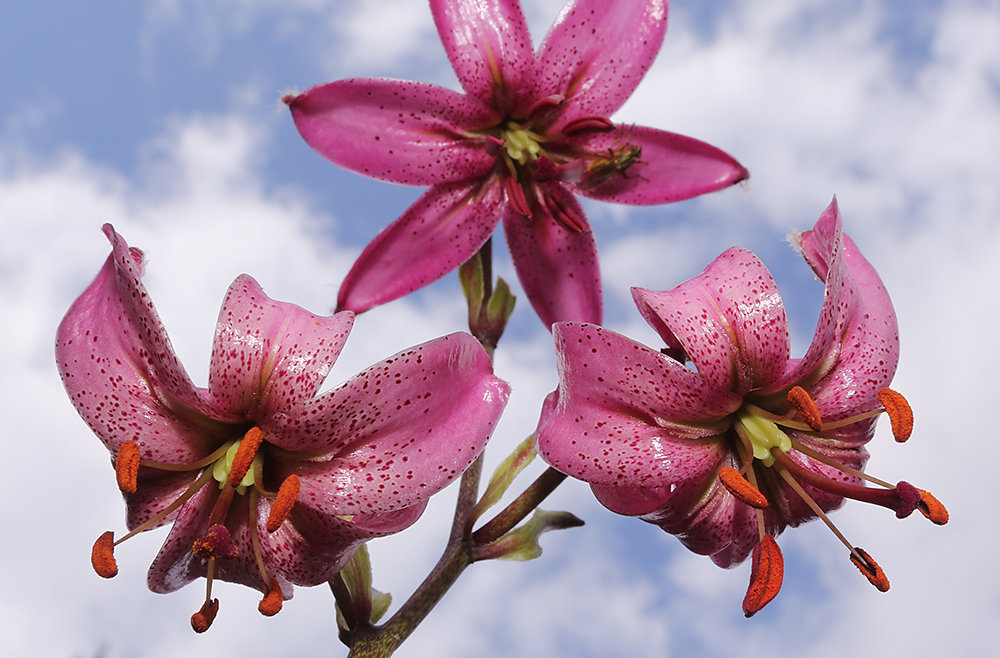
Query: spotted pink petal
x,y
855,349
489,47
628,416
269,355
395,130
597,52
556,265
670,167
425,413
729,319
320,545
120,370
439,232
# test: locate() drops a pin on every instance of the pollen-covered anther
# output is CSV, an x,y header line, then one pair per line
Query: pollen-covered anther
x,y
270,605
932,508
216,543
870,568
766,573
201,620
127,467
245,454
900,413
738,485
102,557
803,403
282,504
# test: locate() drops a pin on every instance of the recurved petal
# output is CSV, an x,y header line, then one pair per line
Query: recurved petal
x,y
855,349
729,319
644,166
317,545
269,355
708,520
398,431
489,47
439,232
556,264
396,130
597,53
120,370
627,416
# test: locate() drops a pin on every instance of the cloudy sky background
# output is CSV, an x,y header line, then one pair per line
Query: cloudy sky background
x,y
162,117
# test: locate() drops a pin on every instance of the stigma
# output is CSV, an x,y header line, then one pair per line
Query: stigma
x,y
236,468
766,440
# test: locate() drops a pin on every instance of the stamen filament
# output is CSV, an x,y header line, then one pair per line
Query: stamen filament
x,y
183,498
820,457
808,500
190,466
889,498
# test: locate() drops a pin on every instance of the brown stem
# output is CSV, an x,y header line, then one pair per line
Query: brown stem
x,y
519,508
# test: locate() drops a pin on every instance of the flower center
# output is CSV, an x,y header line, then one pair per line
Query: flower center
x,y
224,465
762,434
237,466
520,143
762,438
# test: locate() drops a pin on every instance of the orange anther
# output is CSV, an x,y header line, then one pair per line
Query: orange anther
x,y
127,467
804,404
900,413
741,488
270,605
870,569
932,508
245,454
288,493
201,620
102,556
766,573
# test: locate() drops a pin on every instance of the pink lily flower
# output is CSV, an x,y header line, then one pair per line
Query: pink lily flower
x,y
728,453
266,483
530,131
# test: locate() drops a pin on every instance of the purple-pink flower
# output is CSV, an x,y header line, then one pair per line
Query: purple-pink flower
x,y
266,483
531,130
729,452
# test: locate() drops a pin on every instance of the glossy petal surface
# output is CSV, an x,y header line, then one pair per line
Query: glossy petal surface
x,y
395,130
528,122
557,266
597,52
398,432
489,47
650,434
439,232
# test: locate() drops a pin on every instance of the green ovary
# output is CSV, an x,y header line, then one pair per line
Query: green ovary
x,y
764,436
225,464
521,144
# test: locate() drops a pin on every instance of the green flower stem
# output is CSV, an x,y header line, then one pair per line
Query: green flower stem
x,y
367,641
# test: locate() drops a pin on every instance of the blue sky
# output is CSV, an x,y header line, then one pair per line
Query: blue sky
x,y
163,118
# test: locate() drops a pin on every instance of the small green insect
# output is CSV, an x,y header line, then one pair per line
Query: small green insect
x,y
617,160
